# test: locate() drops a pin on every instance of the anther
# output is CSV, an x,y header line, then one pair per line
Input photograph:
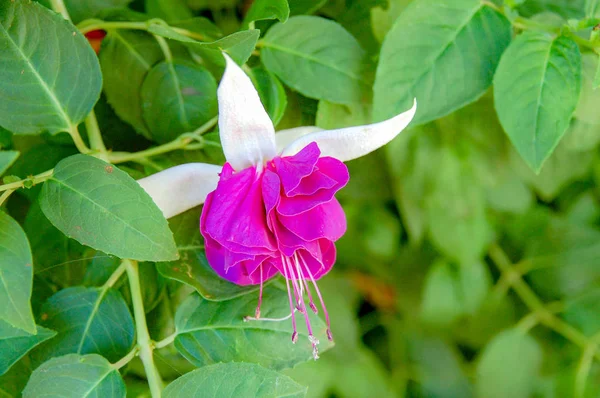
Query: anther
x,y
313,307
329,335
295,337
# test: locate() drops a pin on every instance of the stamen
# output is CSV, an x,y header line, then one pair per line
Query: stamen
x,y
311,337
329,335
248,318
287,284
260,294
312,305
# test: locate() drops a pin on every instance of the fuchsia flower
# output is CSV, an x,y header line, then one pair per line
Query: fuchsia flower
x,y
271,208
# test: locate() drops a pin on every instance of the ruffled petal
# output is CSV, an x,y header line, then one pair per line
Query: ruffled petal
x,y
182,187
353,142
324,221
293,169
247,133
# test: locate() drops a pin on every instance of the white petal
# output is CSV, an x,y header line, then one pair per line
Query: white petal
x,y
283,138
247,133
353,142
182,187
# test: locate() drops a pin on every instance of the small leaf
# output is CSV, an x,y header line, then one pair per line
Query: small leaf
x,y
16,275
135,52
7,158
425,56
318,58
14,344
536,90
192,267
267,9
209,331
177,97
87,321
271,92
71,375
50,77
238,45
509,366
240,380
102,207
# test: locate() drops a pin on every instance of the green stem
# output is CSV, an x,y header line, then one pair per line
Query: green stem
x,y
36,179
143,336
96,24
59,7
164,46
95,137
79,144
5,195
127,358
583,369
166,341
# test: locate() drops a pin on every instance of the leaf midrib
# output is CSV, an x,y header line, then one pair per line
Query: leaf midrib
x,y
53,99
90,200
538,104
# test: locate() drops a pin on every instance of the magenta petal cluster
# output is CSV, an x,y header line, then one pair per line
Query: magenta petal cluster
x,y
259,221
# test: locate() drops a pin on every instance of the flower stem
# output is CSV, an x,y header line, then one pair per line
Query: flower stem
x,y
166,341
79,144
36,179
127,358
164,46
96,24
95,137
143,336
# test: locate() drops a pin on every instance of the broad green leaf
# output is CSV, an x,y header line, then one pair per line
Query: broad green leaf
x,y
240,380
87,321
76,376
582,312
14,344
509,366
16,275
169,10
596,82
56,257
564,8
209,331
591,7
238,45
102,207
13,382
50,77
382,18
83,9
7,158
441,296
177,97
425,56
271,92
587,108
318,58
356,18
536,90
202,26
334,116
126,57
299,7
268,9
192,267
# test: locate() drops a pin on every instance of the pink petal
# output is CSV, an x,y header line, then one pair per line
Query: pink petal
x,y
326,221
292,169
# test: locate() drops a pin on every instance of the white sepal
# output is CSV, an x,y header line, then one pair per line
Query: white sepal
x,y
246,131
182,187
283,138
353,142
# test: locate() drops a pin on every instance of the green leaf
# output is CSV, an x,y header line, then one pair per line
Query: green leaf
x,y
587,108
14,344
169,10
75,376
318,58
271,92
192,267
591,8
83,9
509,366
7,158
50,78
238,45
102,207
16,275
596,82
536,90
441,296
177,97
267,9
242,380
200,25
87,321
126,57
442,53
209,331
582,312
299,7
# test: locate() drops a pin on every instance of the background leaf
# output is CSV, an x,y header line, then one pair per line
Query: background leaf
x,y
423,56
14,343
268,9
43,89
7,158
100,206
87,321
209,332
70,375
317,57
243,380
536,115
16,273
